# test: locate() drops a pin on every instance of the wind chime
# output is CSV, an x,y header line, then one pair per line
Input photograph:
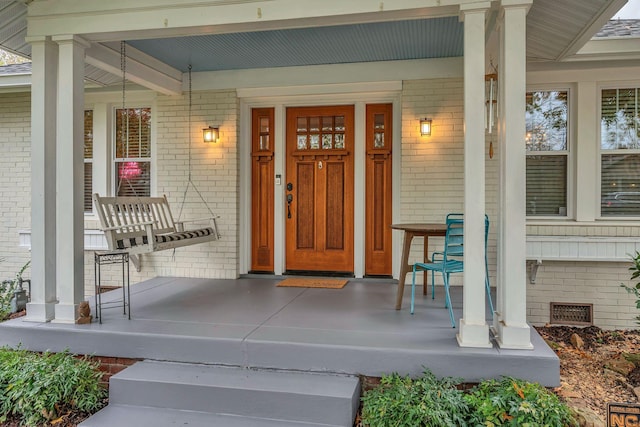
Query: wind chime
x,y
491,106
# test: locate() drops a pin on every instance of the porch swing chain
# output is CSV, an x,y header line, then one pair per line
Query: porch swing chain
x,y
123,68
190,107
190,182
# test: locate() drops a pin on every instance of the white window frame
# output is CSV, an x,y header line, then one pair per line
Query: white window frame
x,y
151,159
104,105
569,153
90,160
600,151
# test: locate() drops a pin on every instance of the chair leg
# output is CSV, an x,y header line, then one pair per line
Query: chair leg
x,y
445,281
433,284
447,298
413,288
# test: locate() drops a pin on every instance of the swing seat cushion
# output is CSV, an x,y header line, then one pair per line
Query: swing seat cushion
x,y
123,244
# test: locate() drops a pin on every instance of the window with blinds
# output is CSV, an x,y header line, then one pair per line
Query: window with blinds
x,y
547,153
620,152
133,152
88,159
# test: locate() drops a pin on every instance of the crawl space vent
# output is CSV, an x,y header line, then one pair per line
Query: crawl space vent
x,y
569,313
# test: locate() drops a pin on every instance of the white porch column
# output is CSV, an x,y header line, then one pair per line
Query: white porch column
x,y
510,321
70,218
44,73
474,330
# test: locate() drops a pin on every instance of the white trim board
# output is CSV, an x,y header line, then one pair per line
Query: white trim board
x,y
94,240
580,248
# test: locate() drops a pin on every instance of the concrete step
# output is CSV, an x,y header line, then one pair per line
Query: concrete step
x,y
272,395
139,416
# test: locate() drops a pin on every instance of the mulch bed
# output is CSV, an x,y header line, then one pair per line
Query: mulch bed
x,y
589,376
70,419
18,314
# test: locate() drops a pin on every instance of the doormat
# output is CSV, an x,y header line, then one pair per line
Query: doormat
x,y
298,282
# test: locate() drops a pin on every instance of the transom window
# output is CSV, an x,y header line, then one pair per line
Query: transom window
x,y
547,153
620,152
320,132
133,152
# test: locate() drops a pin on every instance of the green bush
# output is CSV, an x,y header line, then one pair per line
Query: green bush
x,y
7,289
635,290
40,387
513,402
425,401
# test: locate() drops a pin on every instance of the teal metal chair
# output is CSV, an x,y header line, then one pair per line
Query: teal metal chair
x,y
487,283
451,261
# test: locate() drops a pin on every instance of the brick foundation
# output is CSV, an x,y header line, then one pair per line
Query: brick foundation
x,y
112,365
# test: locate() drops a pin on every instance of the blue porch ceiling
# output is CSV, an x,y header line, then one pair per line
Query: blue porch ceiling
x,y
383,41
555,30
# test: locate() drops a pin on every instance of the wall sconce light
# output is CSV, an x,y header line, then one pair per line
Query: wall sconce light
x,y
211,134
425,127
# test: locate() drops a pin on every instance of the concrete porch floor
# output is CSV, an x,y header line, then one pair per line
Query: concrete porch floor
x,y
250,322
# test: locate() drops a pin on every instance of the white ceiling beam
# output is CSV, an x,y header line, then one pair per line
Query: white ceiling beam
x,y
140,67
335,75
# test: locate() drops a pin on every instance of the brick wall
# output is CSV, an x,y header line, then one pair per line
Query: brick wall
x,y
110,366
15,180
596,283
432,185
433,166
581,282
214,172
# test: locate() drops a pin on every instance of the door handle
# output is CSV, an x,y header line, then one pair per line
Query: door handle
x,y
289,200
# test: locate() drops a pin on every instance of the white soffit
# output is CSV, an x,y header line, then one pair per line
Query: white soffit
x,y
13,27
559,28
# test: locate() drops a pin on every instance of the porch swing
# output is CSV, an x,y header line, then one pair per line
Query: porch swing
x,y
140,225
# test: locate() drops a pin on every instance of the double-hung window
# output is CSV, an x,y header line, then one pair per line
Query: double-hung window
x,y
133,152
620,153
547,153
88,159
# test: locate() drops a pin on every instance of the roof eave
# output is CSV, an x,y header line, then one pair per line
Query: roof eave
x,y
610,48
598,21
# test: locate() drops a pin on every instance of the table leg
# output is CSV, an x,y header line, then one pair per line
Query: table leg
x,y
404,267
426,260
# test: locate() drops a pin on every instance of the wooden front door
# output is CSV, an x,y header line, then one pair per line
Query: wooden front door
x,y
319,189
